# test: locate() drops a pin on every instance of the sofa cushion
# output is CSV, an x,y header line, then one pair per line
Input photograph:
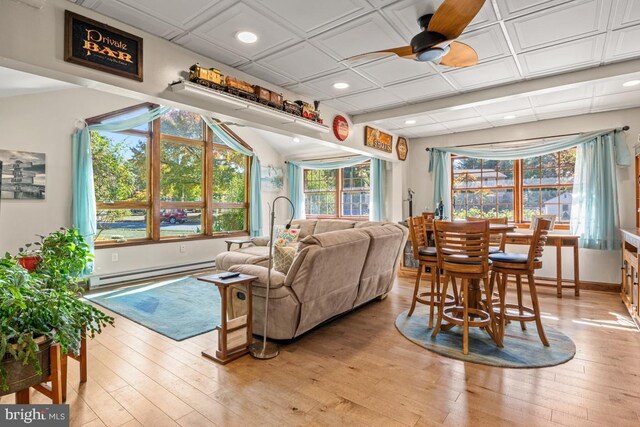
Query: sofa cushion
x,y
510,258
307,226
428,251
363,224
283,258
257,255
327,225
284,236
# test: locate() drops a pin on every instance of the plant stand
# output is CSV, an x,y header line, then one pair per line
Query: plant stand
x,y
53,392
81,358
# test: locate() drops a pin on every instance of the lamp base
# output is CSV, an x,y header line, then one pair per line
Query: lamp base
x,y
261,351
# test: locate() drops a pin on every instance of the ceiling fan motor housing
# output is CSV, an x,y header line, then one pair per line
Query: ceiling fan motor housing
x,y
425,40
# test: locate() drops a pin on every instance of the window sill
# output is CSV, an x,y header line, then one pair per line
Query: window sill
x,y
111,245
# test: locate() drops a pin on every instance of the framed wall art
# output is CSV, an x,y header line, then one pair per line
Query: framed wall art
x,y
377,139
402,149
23,175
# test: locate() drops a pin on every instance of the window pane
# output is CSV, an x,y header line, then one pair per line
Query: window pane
x,y
565,199
355,203
505,165
506,210
356,177
489,197
229,175
181,172
180,222
229,220
549,176
566,175
320,203
460,180
549,160
531,176
118,225
531,162
505,197
505,178
119,167
183,124
568,158
319,180
531,197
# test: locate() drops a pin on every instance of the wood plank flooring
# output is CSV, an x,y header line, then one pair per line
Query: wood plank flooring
x,y
358,370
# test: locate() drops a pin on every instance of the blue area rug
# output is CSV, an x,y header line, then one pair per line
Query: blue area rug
x,y
522,349
179,309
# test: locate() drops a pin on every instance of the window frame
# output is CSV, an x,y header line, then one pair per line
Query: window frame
x,y
518,188
338,192
154,204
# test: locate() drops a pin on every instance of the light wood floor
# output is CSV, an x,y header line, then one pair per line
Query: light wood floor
x,y
359,370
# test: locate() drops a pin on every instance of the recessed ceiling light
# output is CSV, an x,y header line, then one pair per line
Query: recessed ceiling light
x,y
341,85
631,83
410,122
296,139
509,117
247,37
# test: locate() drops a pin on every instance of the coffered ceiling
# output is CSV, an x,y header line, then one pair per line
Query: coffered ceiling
x,y
302,45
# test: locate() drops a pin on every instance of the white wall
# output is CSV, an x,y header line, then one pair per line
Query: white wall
x,y
595,266
44,123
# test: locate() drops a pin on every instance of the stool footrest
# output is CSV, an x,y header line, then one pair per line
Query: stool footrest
x,y
448,312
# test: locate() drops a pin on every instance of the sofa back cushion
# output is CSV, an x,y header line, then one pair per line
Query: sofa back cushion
x,y
363,224
327,225
307,227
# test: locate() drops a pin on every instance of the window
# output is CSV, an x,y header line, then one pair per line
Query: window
x,y
338,193
180,183
516,189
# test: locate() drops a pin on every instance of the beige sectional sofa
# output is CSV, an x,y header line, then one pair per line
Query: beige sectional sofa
x,y
339,266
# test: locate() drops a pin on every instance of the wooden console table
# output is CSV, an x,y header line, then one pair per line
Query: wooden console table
x,y
630,292
234,334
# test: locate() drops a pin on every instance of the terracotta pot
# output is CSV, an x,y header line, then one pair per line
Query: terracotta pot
x,y
21,376
30,262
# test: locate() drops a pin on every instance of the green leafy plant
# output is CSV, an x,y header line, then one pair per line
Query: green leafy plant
x,y
46,303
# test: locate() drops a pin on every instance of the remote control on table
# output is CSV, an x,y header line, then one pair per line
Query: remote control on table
x,y
231,275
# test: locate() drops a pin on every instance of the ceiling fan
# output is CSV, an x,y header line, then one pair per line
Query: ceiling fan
x,y
437,40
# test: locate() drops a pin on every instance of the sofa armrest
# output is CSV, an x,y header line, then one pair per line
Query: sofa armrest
x,y
277,278
260,241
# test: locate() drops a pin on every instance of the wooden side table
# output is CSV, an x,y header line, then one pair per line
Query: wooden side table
x,y
234,334
238,241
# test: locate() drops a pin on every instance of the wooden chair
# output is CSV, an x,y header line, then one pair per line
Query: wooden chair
x,y
53,391
463,252
505,264
497,242
426,257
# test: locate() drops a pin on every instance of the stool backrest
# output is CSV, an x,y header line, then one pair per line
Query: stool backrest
x,y
463,247
539,240
417,234
495,239
429,216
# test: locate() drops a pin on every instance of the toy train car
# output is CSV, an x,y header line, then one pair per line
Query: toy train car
x,y
213,78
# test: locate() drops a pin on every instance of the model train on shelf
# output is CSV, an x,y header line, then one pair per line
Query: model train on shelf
x,y
213,78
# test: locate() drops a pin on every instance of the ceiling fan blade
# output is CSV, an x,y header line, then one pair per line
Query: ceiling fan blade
x,y
453,16
400,51
460,55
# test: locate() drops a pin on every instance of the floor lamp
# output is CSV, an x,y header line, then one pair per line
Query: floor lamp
x,y
264,349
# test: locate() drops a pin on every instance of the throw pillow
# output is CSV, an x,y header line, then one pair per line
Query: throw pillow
x,y
283,258
285,237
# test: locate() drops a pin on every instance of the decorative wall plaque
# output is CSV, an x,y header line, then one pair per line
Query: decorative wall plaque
x,y
401,148
340,128
102,47
377,139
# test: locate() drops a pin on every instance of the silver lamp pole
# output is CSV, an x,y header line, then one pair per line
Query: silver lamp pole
x,y
269,350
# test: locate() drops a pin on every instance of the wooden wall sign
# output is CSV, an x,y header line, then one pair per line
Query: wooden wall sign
x,y
401,148
340,128
377,139
102,47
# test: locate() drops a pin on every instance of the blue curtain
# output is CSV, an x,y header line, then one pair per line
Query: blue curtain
x,y
594,210
378,181
255,197
294,176
84,199
439,165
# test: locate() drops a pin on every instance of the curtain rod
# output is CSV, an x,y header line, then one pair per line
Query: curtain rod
x,y
624,128
326,158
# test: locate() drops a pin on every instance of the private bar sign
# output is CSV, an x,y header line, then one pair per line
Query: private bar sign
x,y
102,47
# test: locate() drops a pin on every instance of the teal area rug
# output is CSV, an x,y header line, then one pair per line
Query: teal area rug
x,y
179,308
522,349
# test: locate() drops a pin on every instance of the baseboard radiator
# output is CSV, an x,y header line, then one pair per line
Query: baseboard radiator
x,y
131,276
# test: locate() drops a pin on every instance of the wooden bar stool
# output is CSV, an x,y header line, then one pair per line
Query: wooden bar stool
x,y
497,241
426,256
463,252
505,264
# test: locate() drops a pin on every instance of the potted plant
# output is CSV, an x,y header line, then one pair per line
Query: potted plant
x,y
28,258
43,308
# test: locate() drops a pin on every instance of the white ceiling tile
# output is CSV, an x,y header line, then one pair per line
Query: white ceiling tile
x,y
315,16
137,19
215,52
223,27
404,15
488,42
177,13
391,70
582,53
563,109
340,105
577,19
513,8
467,124
562,96
399,123
616,102
623,44
365,34
428,130
301,62
625,13
483,75
371,100
266,74
614,85
425,88
307,91
521,116
324,84
504,106
457,114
